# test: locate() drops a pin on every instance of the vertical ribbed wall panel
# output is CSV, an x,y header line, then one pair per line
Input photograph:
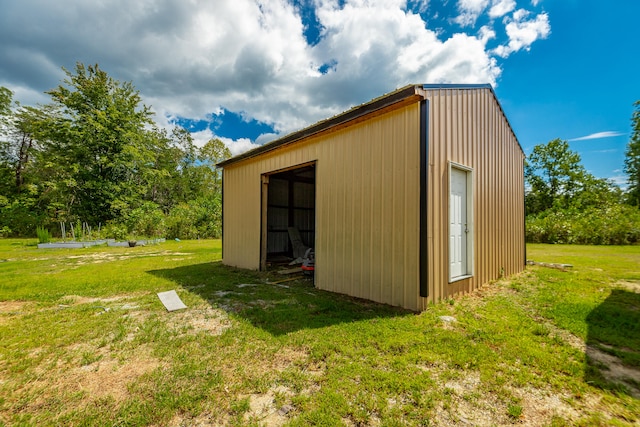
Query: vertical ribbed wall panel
x,y
367,207
468,127
368,199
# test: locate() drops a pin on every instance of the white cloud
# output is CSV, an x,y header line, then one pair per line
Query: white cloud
x,y
239,146
266,137
192,59
523,33
200,138
598,135
534,3
236,146
486,33
501,7
520,14
470,10
621,181
388,48
421,6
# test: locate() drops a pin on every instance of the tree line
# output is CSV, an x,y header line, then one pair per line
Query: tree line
x,y
94,155
566,204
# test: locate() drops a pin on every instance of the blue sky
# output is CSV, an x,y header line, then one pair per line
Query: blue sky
x,y
248,71
579,82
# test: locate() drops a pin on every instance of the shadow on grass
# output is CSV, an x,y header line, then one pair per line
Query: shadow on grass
x,y
278,308
613,344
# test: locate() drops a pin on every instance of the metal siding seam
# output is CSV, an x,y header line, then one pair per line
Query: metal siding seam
x,y
360,264
424,188
376,287
353,276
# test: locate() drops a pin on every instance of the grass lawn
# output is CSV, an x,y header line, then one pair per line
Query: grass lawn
x,y
84,340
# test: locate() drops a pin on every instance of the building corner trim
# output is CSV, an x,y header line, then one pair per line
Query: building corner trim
x,y
424,189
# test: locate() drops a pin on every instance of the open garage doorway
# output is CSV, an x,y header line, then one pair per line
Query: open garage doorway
x,y
288,214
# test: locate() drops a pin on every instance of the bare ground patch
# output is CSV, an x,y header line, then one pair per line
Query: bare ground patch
x,y
13,306
99,257
10,309
199,319
108,377
264,408
471,406
78,299
629,285
614,371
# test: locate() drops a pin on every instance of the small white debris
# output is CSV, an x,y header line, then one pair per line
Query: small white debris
x,y
247,285
448,319
171,300
222,294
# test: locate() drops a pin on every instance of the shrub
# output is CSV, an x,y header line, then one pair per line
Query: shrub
x,y
44,236
5,231
20,217
615,224
147,220
200,218
114,230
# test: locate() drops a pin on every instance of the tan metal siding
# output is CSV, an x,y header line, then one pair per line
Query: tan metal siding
x,y
367,207
242,198
368,198
467,126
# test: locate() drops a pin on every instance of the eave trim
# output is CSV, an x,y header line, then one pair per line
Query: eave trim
x,y
356,112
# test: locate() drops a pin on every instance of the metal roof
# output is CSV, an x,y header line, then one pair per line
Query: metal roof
x,y
399,95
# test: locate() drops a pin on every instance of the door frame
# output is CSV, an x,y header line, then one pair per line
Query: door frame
x,y
469,253
264,202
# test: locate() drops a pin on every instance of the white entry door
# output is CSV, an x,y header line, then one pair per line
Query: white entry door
x,y
458,224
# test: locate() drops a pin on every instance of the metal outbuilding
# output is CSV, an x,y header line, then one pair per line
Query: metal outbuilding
x,y
413,197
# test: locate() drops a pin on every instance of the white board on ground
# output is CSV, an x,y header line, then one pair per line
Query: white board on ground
x,y
171,300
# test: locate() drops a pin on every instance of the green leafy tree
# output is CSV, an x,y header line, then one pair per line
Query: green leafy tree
x,y
632,159
6,97
174,175
20,207
552,173
557,180
94,155
99,143
212,153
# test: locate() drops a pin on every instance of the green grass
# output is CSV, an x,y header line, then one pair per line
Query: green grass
x,y
85,341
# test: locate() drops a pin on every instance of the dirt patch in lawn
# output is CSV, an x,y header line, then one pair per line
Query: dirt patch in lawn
x,y
288,357
469,404
101,257
264,407
629,285
192,321
14,307
109,377
614,371
9,309
78,299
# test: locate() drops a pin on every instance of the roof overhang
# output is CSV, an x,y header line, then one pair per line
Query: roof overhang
x,y
406,95
396,99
